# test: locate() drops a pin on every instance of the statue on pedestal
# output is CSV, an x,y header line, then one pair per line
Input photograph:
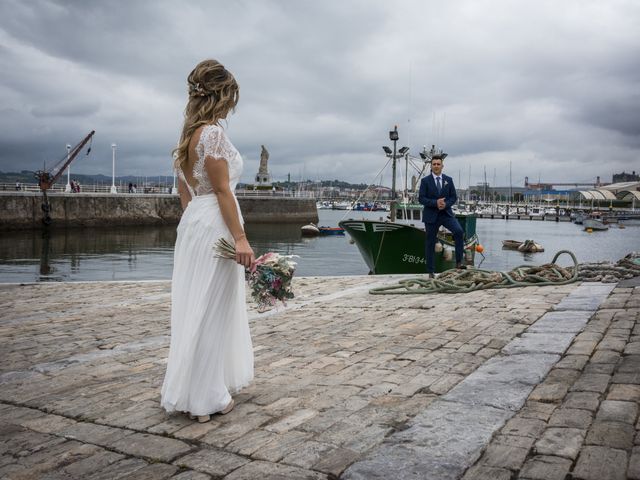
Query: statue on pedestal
x,y
264,158
263,178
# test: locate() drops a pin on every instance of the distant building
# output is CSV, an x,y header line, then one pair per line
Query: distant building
x,y
537,186
625,177
378,193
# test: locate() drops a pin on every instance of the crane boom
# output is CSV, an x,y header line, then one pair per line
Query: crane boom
x,y
47,179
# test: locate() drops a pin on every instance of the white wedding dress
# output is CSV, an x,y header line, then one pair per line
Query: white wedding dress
x,y
211,356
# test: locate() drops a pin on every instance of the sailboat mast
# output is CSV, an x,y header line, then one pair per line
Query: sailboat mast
x,y
485,184
510,184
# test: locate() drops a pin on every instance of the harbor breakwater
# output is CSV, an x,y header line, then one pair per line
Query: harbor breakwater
x,y
24,210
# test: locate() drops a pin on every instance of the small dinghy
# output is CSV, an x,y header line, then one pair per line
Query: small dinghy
x,y
310,230
528,246
331,231
511,244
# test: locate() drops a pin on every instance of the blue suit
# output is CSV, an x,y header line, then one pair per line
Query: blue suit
x,y
433,217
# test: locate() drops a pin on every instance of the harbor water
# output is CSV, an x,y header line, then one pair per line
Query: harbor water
x,y
146,253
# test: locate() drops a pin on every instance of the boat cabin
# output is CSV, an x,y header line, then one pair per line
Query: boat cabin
x,y
409,212
412,214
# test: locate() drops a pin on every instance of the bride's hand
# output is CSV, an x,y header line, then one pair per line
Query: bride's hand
x,y
244,253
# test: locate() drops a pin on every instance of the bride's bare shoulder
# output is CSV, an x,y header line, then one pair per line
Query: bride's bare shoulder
x,y
195,137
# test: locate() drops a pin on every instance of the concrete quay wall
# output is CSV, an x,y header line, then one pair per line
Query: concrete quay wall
x,y
24,210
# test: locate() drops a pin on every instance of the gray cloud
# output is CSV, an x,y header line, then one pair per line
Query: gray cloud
x,y
545,86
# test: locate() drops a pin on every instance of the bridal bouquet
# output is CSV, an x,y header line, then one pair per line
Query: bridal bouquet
x,y
269,277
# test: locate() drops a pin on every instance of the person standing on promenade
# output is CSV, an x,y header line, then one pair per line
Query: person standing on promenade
x,y
438,194
211,355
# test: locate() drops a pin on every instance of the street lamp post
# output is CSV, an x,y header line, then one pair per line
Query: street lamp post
x,y
67,187
113,169
173,189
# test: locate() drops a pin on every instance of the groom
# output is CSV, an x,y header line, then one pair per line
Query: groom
x,y
438,194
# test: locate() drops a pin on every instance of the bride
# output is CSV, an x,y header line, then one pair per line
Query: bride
x,y
211,355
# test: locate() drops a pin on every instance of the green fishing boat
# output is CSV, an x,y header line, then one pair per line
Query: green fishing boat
x,y
397,245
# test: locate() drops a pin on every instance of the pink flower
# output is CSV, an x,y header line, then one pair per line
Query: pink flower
x,y
266,257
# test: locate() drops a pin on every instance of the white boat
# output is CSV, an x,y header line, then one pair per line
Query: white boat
x,y
310,230
341,206
594,222
536,212
484,211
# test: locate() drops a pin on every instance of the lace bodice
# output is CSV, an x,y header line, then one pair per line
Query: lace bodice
x,y
213,143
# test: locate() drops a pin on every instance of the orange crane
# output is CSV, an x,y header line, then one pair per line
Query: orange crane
x,y
46,179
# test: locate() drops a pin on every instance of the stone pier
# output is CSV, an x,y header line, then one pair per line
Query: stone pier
x,y
524,383
23,210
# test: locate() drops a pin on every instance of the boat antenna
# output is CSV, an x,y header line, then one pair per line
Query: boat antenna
x,y
444,123
410,103
434,133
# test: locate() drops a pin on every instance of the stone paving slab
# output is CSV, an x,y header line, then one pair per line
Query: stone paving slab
x,y
346,384
497,386
443,441
593,427
564,321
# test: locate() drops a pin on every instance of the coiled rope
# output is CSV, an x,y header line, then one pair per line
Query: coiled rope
x,y
607,272
463,281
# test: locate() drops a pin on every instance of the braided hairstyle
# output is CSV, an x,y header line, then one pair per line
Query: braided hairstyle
x,y
213,93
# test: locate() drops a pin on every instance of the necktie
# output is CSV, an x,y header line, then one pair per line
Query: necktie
x,y
438,184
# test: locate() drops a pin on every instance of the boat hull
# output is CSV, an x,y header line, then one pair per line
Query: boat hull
x,y
594,224
389,248
310,231
511,244
331,231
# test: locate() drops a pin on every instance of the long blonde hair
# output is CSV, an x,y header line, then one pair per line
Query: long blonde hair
x,y
213,93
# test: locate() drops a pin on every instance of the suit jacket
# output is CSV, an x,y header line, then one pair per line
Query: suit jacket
x,y
429,195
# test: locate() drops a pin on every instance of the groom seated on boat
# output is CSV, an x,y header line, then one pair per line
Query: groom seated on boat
x,y
438,194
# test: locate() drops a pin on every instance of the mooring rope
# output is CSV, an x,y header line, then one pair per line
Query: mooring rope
x,y
607,272
462,281
469,280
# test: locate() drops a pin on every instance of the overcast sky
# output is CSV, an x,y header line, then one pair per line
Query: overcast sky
x,y
551,86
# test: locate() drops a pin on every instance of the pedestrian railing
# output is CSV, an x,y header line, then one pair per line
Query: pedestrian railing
x,y
124,189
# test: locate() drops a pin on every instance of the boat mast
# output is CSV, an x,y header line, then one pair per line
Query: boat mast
x,y
510,184
393,136
394,155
